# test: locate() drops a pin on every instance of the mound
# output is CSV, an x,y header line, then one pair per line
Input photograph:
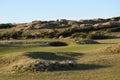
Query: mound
x,y
115,49
38,61
38,65
85,41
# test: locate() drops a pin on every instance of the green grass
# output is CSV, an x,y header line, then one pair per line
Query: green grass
x,y
70,48
111,72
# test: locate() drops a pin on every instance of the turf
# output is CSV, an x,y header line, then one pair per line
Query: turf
x,y
93,65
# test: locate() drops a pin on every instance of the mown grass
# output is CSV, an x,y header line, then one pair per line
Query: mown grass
x,y
90,57
70,48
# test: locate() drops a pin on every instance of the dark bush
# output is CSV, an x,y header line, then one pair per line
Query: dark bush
x,y
113,29
16,34
4,26
1,36
58,43
63,21
79,35
96,36
26,35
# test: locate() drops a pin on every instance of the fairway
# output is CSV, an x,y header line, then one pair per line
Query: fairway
x,y
60,40
93,65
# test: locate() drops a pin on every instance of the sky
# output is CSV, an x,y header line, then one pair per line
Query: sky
x,y
18,11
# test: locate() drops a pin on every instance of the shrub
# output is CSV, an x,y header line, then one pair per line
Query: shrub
x,y
13,35
79,35
96,36
1,36
16,34
5,35
66,33
113,29
63,21
4,26
26,35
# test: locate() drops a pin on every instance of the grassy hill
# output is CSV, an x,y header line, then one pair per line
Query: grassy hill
x,y
91,29
61,50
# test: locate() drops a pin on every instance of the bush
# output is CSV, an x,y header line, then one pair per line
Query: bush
x,y
4,26
96,36
26,35
16,34
89,36
113,29
1,36
5,35
79,35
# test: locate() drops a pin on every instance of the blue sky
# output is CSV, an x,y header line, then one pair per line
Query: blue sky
x,y
15,11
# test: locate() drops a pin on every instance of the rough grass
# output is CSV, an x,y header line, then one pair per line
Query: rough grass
x,y
85,41
115,49
92,65
39,61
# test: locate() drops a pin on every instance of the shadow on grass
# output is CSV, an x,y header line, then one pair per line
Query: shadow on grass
x,y
58,56
89,66
61,56
78,67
